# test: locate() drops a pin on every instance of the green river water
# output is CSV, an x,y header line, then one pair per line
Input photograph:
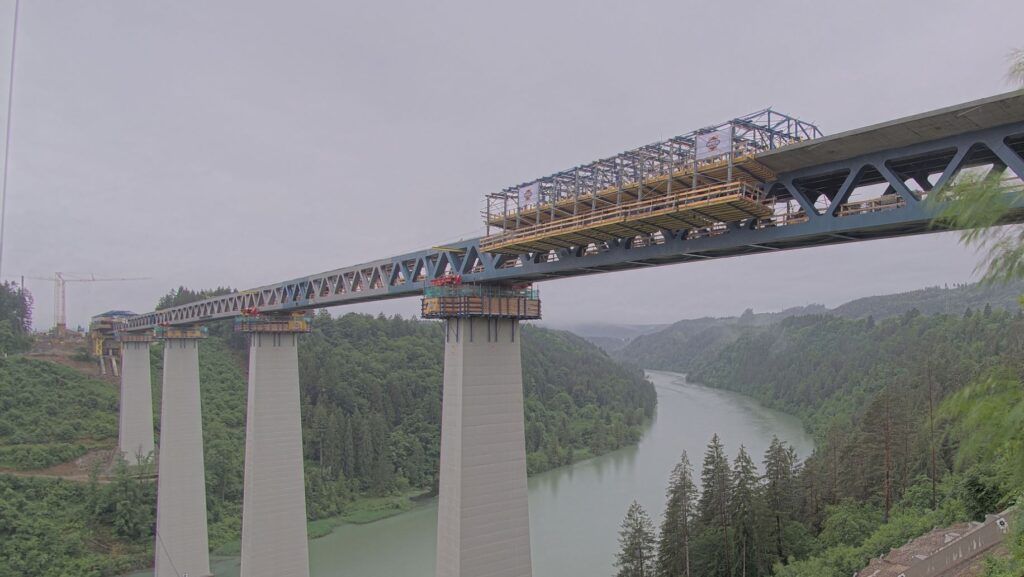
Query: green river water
x,y
575,511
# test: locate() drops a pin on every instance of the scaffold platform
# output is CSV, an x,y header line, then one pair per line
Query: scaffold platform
x,y
445,302
691,182
691,209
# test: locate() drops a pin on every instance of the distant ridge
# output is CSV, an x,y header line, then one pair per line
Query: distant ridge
x,y
676,346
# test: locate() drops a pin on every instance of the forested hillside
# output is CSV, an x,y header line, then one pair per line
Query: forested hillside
x,y
919,421
678,346
370,391
371,403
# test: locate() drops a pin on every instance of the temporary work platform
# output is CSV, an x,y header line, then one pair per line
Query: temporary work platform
x,y
444,302
690,182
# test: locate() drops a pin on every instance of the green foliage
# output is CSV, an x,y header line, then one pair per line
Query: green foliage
x,y
748,513
685,345
985,422
844,559
50,413
849,523
15,318
636,544
1012,566
39,456
978,204
53,528
881,398
183,296
370,393
677,527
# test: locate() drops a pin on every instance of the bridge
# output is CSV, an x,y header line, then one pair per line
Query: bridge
x,y
759,183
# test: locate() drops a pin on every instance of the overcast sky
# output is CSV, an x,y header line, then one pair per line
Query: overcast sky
x,y
241,143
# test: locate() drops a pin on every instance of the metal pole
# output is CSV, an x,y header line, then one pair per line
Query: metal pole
x,y
538,204
640,185
488,202
671,177
7,136
732,149
519,210
695,146
576,192
618,194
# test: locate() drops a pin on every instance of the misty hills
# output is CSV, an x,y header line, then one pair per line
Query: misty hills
x,y
676,346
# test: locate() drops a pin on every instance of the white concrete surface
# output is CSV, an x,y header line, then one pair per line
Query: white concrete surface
x,y
483,526
181,542
135,430
274,542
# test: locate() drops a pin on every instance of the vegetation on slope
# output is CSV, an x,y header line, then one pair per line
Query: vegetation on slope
x,y
895,405
681,345
370,393
50,413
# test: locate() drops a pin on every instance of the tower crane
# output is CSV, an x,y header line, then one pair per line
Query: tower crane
x,y
59,280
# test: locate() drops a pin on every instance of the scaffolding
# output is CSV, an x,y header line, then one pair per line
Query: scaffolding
x,y
252,321
690,182
493,301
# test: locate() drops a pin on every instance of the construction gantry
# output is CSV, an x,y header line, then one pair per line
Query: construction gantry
x,y
863,184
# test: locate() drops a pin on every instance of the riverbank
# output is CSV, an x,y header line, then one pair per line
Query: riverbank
x,y
570,535
359,512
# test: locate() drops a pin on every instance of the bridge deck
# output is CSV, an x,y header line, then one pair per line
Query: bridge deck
x,y
928,149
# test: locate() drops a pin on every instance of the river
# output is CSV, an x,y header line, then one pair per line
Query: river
x,y
575,511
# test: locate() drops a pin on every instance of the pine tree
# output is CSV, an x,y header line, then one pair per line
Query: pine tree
x,y
713,507
745,511
779,492
348,450
636,544
677,526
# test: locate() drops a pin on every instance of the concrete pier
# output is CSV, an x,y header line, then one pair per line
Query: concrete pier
x,y
181,535
483,525
135,428
274,542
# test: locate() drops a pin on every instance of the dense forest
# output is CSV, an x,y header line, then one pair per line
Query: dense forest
x,y
680,345
370,393
919,422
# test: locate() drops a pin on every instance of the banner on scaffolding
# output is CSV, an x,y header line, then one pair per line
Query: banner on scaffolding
x,y
712,144
529,195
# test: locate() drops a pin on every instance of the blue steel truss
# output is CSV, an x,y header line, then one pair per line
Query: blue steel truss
x,y
816,206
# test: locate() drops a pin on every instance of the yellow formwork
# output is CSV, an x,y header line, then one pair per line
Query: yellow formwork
x,y
480,306
744,168
687,209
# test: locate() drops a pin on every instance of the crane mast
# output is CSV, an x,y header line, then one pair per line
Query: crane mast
x,y
60,322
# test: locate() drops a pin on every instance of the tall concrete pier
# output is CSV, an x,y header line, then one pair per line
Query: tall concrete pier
x,y
135,429
182,545
483,523
274,541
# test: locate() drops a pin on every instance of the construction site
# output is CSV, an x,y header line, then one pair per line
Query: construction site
x,y
699,181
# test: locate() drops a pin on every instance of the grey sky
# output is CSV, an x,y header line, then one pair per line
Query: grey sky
x,y
242,143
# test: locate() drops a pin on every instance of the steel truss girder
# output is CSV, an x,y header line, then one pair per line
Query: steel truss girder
x,y
408,274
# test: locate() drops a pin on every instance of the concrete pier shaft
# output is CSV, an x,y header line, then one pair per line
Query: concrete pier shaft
x,y
135,428
182,545
274,541
483,524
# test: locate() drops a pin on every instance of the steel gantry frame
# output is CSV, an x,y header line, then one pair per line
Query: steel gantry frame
x,y
562,192
815,198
